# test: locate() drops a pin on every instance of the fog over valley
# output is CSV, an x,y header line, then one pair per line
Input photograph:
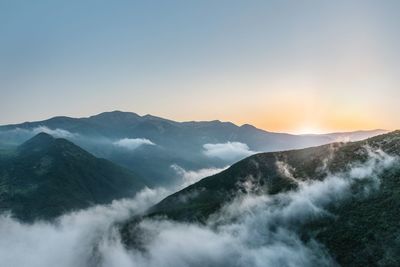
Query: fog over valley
x,y
253,229
199,133
232,206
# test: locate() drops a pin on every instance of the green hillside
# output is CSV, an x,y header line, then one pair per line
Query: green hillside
x,y
46,177
363,230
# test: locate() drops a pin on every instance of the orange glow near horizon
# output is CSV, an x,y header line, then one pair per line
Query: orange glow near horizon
x,y
299,120
303,111
279,124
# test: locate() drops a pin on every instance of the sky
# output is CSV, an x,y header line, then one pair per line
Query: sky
x,y
288,66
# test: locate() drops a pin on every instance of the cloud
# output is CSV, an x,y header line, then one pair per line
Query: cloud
x,y
18,135
227,151
252,230
73,238
183,244
192,176
58,133
132,144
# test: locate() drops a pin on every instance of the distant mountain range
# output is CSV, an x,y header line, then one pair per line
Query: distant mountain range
x,y
149,145
339,197
46,177
345,196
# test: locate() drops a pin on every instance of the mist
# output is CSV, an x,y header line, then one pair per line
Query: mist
x,y
57,133
132,143
72,238
228,151
192,176
252,230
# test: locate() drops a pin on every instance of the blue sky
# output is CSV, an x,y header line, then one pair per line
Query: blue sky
x,y
280,65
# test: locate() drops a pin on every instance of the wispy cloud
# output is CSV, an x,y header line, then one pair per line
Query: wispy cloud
x,y
192,176
227,151
256,230
17,135
132,143
58,133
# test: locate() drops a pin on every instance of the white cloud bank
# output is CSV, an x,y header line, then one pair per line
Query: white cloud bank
x,y
253,230
72,240
132,143
227,151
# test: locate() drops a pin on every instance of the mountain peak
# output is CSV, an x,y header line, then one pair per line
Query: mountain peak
x,y
41,140
247,126
114,118
49,176
151,117
116,114
42,136
43,143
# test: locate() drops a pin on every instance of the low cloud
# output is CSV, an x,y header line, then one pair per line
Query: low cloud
x,y
192,176
228,151
252,230
132,143
58,133
19,135
255,230
73,239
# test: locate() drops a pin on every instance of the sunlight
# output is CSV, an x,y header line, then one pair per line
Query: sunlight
x,y
308,130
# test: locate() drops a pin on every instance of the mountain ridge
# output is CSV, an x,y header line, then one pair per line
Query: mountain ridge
x,y
117,114
48,176
360,229
269,159
191,145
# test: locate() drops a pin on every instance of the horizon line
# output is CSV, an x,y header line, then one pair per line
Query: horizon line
x,y
300,133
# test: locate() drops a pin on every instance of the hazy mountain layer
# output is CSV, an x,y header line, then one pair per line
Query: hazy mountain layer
x,y
149,145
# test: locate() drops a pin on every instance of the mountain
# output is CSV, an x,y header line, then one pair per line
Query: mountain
x,y
358,224
118,124
351,136
46,177
159,143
